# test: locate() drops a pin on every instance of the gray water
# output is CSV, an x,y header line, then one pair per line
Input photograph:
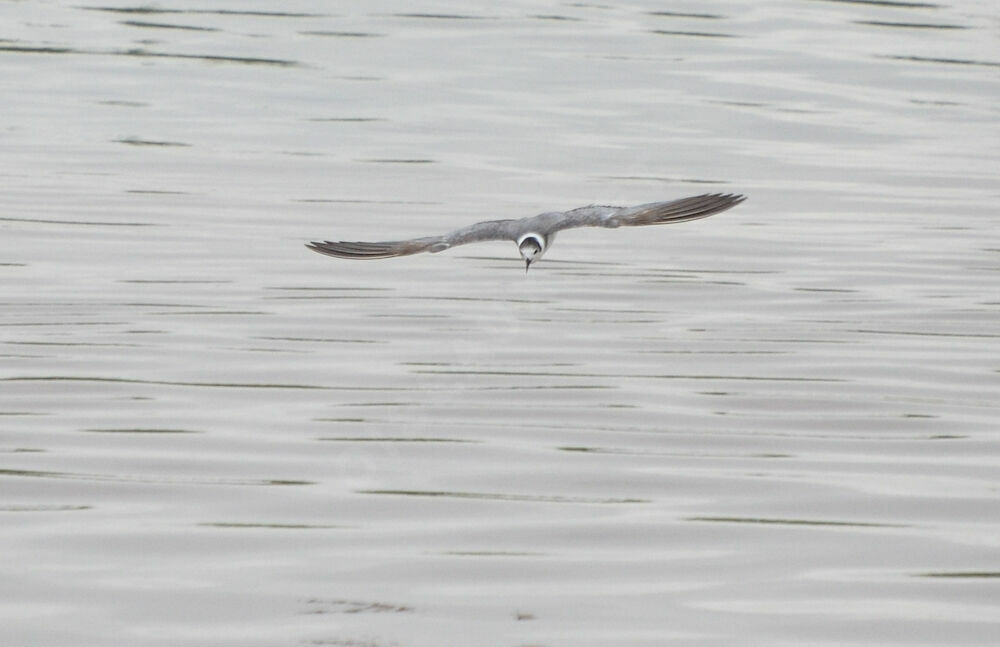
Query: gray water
x,y
776,426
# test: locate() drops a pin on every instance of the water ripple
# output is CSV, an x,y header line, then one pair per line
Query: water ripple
x,y
491,496
168,480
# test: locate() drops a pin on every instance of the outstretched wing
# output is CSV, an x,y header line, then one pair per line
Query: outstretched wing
x,y
490,230
652,213
388,249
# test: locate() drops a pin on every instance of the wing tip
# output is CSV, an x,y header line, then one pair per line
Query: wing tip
x,y
354,250
338,249
731,198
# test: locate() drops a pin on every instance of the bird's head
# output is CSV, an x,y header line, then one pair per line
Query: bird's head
x,y
531,246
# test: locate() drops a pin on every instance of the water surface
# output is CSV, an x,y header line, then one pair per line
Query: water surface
x,y
777,426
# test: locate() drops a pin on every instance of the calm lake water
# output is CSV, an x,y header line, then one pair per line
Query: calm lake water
x,y
777,426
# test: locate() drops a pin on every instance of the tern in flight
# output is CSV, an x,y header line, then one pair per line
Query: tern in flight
x,y
534,235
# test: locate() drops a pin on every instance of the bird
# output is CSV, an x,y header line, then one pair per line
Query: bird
x,y
534,235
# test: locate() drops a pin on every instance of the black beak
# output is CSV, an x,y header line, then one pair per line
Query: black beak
x,y
527,264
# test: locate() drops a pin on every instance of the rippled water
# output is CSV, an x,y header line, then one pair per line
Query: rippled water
x,y
775,426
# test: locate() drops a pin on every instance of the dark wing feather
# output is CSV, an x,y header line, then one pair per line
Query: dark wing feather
x,y
653,213
491,230
347,249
